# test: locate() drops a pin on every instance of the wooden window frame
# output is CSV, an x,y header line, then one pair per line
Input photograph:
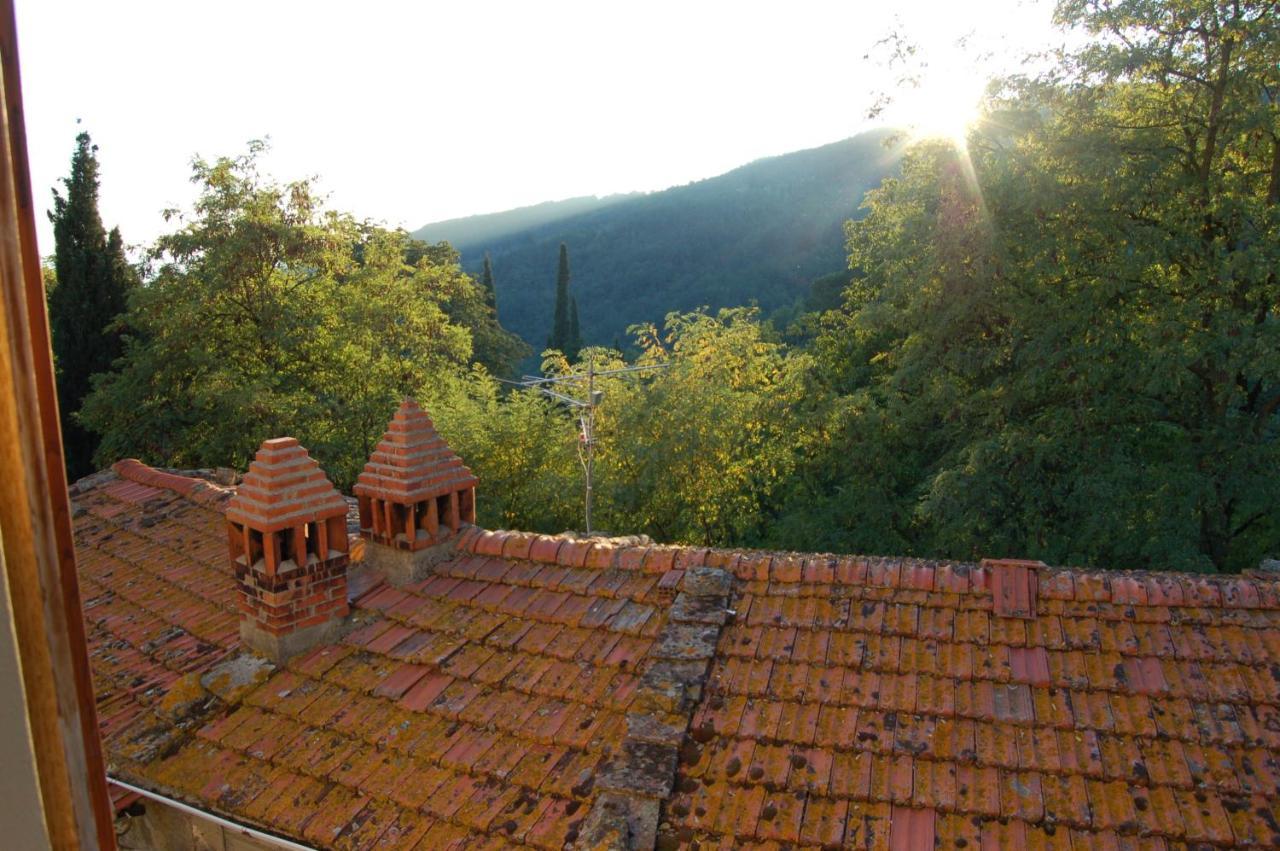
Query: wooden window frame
x,y
35,512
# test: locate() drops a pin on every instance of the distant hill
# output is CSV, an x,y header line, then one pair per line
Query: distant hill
x,y
490,227
759,233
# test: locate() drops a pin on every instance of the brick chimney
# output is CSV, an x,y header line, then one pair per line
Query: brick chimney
x,y
287,534
414,495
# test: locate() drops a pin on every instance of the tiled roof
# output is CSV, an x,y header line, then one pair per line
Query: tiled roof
x,y
412,462
159,602
480,704
541,691
885,703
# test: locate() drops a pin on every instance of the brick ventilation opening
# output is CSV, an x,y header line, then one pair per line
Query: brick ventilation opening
x,y
287,540
415,492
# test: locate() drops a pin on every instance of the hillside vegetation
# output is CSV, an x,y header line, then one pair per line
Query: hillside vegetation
x,y
760,233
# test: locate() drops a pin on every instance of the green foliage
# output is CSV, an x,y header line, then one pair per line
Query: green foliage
x,y
575,331
1060,341
265,315
94,280
696,452
1065,344
519,445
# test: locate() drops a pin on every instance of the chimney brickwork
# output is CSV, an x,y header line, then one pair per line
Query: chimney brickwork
x,y
414,495
287,538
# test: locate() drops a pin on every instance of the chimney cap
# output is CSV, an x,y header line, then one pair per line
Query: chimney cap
x,y
284,487
412,462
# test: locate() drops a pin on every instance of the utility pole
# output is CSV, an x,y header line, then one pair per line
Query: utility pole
x,y
589,434
585,383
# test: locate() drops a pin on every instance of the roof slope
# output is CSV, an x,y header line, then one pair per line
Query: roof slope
x,y
159,603
531,682
477,706
882,703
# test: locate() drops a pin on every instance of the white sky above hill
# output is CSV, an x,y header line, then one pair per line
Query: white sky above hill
x,y
415,112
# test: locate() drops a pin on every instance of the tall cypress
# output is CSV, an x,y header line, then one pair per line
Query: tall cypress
x,y
94,279
486,281
560,323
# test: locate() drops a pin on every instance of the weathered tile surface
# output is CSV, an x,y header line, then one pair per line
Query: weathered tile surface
x,y
889,703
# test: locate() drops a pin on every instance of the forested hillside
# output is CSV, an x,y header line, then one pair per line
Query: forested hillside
x,y
491,227
759,233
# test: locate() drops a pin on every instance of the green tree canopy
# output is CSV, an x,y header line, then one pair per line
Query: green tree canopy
x,y
565,336
94,280
266,315
486,281
1065,345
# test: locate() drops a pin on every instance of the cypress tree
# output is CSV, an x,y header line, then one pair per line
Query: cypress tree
x,y
560,323
486,281
94,279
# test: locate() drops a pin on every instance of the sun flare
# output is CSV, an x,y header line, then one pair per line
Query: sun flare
x,y
942,106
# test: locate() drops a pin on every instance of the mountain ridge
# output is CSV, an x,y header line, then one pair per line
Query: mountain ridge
x,y
759,233
469,230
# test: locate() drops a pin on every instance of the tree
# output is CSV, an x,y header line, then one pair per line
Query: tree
x,y
700,452
266,315
520,445
94,280
1065,344
562,333
492,346
486,281
696,452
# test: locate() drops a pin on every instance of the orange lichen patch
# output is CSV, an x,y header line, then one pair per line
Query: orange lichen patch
x,y
182,697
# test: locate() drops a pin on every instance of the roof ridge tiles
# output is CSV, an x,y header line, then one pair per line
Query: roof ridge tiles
x,y
196,490
1127,588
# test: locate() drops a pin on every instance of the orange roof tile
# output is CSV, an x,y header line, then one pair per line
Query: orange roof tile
x,y
412,462
533,688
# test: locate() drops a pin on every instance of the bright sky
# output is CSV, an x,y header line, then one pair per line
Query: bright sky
x,y
415,112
